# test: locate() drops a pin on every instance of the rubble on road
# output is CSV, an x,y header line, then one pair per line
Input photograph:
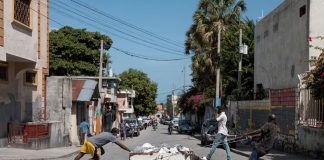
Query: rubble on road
x,y
165,152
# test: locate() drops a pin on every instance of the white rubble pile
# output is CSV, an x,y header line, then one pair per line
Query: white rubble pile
x,y
149,152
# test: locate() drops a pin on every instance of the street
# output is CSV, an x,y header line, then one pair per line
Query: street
x,y
158,137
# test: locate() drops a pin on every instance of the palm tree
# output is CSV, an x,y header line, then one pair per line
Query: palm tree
x,y
203,37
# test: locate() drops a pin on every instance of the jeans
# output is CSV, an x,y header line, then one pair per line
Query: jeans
x,y
254,155
218,139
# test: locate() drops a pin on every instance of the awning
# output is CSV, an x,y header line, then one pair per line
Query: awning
x,y
83,90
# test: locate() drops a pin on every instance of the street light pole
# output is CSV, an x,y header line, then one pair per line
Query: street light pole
x,y
241,50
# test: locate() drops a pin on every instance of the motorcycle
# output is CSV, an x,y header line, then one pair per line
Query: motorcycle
x,y
154,125
170,130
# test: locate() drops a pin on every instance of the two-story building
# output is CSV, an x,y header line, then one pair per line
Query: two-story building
x,y
24,54
125,100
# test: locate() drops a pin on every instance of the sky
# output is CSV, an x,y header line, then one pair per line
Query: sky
x,y
155,29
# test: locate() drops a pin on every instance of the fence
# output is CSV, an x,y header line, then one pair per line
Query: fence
x,y
310,111
21,132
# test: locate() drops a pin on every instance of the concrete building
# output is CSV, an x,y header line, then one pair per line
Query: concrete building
x,y
23,62
173,110
282,43
125,100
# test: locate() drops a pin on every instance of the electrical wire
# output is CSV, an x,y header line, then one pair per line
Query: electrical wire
x,y
127,24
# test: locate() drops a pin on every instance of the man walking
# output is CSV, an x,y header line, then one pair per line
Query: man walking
x,y
221,135
84,130
264,144
93,145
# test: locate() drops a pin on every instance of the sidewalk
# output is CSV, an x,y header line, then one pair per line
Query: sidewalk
x,y
273,155
26,154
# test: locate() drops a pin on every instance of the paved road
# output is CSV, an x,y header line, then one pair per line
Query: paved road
x,y
156,138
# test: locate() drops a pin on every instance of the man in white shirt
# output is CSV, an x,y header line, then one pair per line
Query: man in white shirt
x,y
221,135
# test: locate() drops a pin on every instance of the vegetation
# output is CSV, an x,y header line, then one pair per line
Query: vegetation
x,y
76,52
146,90
202,44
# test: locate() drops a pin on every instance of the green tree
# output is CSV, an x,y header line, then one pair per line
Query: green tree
x,y
145,88
202,43
76,51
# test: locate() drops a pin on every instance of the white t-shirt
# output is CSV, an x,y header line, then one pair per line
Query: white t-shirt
x,y
222,119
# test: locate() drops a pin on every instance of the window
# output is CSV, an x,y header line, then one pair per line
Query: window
x,y
3,72
302,10
275,27
266,33
30,77
22,11
129,103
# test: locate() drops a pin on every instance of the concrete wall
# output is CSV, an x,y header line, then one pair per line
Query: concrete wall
x,y
316,25
250,115
311,138
281,46
59,103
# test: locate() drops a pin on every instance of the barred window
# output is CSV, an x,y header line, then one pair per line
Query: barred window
x,y
22,11
30,77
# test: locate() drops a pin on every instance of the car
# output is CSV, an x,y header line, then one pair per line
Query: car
x,y
175,122
134,128
185,127
167,121
209,130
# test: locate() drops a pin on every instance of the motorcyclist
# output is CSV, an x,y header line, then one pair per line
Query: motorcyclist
x,y
170,127
155,123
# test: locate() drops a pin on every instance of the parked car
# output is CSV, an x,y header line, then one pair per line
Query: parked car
x,y
175,122
208,131
185,127
134,128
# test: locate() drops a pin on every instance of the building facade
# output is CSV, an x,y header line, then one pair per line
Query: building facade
x,y
282,43
24,55
125,100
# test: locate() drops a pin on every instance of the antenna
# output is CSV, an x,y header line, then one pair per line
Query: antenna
x,y
259,18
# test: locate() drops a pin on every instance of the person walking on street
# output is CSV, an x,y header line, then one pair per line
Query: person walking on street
x,y
84,130
122,130
268,134
221,135
93,145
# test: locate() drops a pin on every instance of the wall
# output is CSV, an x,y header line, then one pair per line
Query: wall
x,y
252,115
316,25
311,138
59,103
281,49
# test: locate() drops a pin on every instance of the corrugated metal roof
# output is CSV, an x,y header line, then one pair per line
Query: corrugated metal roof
x,y
87,90
83,91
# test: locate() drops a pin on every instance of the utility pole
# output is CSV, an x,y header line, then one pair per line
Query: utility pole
x,y
98,118
217,98
241,51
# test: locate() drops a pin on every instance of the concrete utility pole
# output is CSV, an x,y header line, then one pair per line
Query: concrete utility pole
x,y
241,50
184,79
98,117
218,65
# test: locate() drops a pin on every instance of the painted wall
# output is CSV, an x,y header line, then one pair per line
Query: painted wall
x,y
316,25
281,45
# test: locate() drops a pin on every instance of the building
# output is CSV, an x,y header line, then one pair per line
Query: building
x,y
173,110
24,54
282,43
125,99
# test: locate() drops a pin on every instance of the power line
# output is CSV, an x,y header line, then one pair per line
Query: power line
x,y
120,50
127,24
133,41
114,28
146,58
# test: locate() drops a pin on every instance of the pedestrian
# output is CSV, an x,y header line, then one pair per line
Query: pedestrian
x,y
84,130
221,135
122,130
263,145
93,145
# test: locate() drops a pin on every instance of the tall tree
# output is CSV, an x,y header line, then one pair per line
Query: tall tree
x,y
202,39
76,51
145,88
